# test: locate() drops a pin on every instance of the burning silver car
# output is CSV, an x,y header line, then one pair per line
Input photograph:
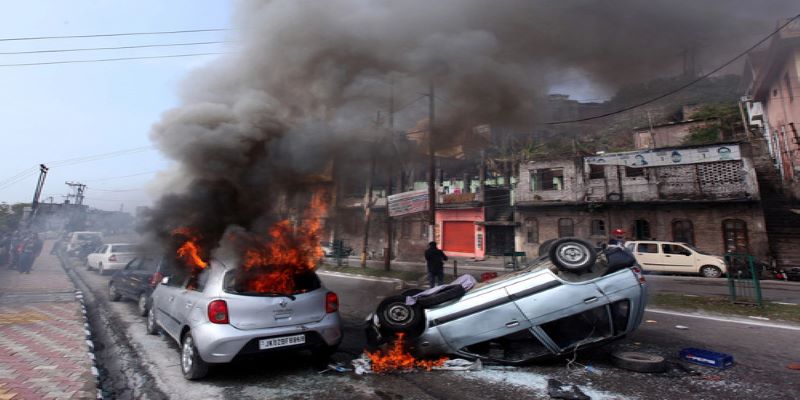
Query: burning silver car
x,y
571,297
224,312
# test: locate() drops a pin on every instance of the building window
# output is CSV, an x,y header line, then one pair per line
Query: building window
x,y
532,230
734,236
641,229
566,227
683,231
405,229
597,171
647,248
631,172
598,227
547,179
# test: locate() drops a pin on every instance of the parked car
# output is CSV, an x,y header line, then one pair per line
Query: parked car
x,y
109,257
330,249
674,257
77,241
568,299
137,280
215,318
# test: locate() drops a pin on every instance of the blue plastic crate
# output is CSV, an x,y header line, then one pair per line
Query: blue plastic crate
x,y
707,357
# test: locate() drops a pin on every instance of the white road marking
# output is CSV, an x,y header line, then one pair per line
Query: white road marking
x,y
726,319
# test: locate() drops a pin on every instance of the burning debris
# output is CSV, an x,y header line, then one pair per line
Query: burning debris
x,y
397,359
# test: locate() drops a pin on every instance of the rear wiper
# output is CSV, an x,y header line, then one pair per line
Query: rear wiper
x,y
269,294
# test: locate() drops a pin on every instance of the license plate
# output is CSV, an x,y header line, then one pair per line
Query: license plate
x,y
272,343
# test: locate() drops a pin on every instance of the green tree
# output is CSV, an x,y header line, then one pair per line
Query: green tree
x,y
10,216
724,122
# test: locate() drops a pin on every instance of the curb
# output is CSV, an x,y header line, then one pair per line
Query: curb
x,y
398,283
87,329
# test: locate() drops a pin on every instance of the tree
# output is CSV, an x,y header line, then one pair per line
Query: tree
x,y
724,122
10,216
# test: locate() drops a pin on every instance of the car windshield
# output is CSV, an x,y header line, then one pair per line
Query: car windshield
x,y
254,282
123,248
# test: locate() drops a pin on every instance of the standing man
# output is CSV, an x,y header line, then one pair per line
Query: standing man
x,y
435,259
618,239
30,250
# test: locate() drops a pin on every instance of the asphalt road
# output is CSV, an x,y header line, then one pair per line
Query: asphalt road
x,y
136,365
777,291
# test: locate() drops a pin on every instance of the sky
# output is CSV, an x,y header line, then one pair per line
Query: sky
x,y
59,112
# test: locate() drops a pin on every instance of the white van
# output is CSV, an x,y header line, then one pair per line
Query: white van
x,y
676,257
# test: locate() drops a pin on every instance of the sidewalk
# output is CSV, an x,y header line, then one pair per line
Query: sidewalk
x,y
43,346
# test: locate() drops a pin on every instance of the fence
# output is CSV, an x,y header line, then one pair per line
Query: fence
x,y
744,285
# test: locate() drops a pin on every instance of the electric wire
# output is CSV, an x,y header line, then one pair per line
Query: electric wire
x,y
684,86
114,34
109,59
143,46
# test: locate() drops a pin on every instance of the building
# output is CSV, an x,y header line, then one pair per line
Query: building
x,y
707,196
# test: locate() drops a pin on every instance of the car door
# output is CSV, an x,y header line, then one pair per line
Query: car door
x,y
163,302
677,258
122,278
542,297
189,298
648,255
95,258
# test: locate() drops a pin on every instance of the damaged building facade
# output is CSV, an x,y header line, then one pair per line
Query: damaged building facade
x,y
703,195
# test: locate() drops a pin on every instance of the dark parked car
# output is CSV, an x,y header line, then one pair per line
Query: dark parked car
x,y
137,280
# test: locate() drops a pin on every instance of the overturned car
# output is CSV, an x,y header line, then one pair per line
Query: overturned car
x,y
574,296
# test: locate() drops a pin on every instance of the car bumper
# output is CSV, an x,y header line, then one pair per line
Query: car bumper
x,y
221,343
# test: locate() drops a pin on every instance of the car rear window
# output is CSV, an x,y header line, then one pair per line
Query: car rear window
x,y
258,282
123,248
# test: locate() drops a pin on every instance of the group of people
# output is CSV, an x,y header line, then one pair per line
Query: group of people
x,y
18,250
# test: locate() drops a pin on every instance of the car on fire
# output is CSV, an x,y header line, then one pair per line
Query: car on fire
x,y
572,297
215,317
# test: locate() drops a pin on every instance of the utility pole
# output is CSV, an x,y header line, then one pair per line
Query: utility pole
x,y
79,188
368,200
38,192
431,165
387,253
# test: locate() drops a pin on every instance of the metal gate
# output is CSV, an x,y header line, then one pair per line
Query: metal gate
x,y
743,279
458,236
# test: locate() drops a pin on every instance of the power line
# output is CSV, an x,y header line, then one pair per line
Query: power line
x,y
120,177
111,48
112,34
678,89
107,59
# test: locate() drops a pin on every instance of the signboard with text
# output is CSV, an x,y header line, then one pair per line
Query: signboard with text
x,y
408,203
664,157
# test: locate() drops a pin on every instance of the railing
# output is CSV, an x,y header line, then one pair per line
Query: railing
x,y
744,285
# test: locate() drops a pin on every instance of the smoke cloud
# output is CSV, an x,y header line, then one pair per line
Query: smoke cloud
x,y
310,75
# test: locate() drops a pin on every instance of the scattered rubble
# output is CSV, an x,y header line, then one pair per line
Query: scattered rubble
x,y
558,390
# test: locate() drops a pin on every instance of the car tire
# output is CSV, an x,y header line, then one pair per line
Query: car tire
x,y
638,362
141,303
192,366
544,248
100,269
151,325
447,294
395,316
113,294
710,271
572,254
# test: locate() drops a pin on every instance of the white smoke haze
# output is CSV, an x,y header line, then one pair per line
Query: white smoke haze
x,y
309,76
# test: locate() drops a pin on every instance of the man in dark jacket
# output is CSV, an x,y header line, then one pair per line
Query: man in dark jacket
x,y
435,259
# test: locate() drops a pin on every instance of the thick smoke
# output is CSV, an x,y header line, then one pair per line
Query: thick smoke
x,y
309,75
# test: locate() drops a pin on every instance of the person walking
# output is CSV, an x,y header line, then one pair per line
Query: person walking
x,y
435,258
31,249
618,239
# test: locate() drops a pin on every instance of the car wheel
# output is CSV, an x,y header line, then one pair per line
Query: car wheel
x,y
152,326
638,362
142,304
88,265
192,365
710,271
100,269
113,294
443,296
572,254
395,316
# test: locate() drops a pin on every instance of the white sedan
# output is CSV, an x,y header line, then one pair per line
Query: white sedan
x,y
111,256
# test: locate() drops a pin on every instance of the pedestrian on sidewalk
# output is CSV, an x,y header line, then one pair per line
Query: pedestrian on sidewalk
x,y
435,259
17,242
31,249
5,240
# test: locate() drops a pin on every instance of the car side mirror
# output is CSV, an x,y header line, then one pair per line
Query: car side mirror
x,y
165,280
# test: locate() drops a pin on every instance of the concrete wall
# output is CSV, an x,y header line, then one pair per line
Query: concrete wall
x,y
782,108
573,182
669,135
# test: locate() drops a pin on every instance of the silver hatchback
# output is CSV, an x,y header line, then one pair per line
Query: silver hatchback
x,y
214,318
570,298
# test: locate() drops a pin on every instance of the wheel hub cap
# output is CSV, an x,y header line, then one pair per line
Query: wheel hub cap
x,y
572,254
398,313
186,358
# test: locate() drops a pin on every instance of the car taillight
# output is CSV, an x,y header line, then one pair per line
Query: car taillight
x,y
639,275
218,312
156,278
331,302
112,257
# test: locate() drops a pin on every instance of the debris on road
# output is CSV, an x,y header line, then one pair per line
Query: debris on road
x,y
683,327
460,364
395,359
558,390
706,358
338,367
638,361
